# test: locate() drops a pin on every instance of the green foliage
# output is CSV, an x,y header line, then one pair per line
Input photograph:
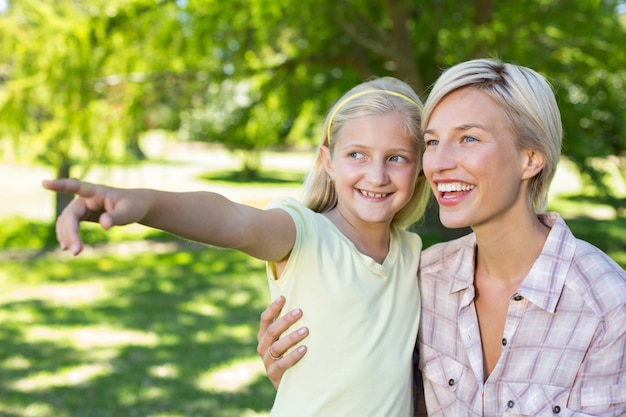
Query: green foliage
x,y
79,81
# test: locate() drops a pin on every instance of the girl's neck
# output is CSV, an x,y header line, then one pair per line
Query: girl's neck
x,y
369,238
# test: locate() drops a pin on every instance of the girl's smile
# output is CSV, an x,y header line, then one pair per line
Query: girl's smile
x,y
374,167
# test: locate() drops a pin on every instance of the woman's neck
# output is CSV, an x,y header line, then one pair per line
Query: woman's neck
x,y
508,253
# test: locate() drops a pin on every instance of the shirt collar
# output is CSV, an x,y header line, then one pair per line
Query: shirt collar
x,y
463,265
544,283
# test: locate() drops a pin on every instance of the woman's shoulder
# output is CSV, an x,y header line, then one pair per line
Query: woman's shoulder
x,y
441,254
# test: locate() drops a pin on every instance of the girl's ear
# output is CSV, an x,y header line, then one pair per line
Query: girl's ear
x,y
324,155
534,163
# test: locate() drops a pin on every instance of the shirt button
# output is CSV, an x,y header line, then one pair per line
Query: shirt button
x,y
556,409
510,404
518,297
451,382
503,342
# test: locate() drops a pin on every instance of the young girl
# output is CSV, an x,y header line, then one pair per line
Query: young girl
x,y
342,254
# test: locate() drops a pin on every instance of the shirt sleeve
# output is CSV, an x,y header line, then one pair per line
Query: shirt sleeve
x,y
601,383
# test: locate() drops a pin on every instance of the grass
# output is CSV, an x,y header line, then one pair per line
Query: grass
x,y
272,177
140,334
592,219
144,324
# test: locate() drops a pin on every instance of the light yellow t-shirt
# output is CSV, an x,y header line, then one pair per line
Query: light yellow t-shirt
x,y
362,316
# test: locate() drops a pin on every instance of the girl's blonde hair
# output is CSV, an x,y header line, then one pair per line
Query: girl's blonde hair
x,y
528,101
377,96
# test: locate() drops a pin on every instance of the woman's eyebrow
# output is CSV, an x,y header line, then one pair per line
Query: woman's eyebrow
x,y
465,126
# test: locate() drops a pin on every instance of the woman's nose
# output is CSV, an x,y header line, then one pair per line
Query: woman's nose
x,y
438,159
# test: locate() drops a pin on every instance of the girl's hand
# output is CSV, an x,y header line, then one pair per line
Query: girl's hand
x,y
97,203
271,348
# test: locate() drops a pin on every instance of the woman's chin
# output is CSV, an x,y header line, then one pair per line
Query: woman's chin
x,y
452,223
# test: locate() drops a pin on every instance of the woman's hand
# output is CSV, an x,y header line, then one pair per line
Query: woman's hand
x,y
271,347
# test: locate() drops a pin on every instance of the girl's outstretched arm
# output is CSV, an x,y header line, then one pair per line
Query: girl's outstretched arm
x,y
200,216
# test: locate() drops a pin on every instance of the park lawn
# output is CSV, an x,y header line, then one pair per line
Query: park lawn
x,y
144,324
165,330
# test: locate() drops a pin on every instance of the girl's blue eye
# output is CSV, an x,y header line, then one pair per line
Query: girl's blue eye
x,y
355,155
432,142
398,158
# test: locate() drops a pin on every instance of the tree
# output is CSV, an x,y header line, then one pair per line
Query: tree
x,y
74,92
81,80
301,58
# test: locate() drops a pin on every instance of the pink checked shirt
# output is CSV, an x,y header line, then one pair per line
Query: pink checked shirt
x,y
564,342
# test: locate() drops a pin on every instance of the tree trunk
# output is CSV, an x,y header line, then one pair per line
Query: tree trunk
x,y
62,200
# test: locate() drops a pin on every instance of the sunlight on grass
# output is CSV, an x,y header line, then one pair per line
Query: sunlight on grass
x,y
232,377
69,294
64,377
92,337
32,410
200,306
15,362
166,370
150,394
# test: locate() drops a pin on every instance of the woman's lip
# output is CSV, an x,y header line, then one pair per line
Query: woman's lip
x,y
451,198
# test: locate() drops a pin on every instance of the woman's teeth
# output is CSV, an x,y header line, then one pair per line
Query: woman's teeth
x,y
454,186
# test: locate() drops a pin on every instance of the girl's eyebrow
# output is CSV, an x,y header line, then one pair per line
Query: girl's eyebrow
x,y
359,147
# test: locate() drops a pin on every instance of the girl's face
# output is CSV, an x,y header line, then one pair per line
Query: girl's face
x,y
374,167
473,163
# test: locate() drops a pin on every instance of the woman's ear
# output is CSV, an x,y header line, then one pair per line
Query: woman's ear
x,y
325,157
534,163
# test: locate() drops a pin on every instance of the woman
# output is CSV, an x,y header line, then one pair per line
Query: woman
x,y
519,317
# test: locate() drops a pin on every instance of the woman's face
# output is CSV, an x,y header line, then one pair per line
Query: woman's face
x,y
473,162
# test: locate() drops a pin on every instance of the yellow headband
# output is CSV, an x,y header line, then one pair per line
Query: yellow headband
x,y
360,93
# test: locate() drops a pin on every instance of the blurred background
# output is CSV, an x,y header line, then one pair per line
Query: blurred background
x,y
230,96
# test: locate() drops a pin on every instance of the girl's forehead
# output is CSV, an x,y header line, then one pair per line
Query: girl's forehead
x,y
387,137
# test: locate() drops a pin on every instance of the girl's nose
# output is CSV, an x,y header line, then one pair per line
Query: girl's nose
x,y
377,173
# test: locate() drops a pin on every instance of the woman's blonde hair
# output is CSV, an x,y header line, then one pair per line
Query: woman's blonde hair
x,y
528,101
377,96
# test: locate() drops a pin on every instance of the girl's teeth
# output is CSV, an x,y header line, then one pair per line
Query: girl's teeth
x,y
373,195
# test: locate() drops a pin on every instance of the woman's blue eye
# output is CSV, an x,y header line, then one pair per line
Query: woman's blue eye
x,y
432,142
469,139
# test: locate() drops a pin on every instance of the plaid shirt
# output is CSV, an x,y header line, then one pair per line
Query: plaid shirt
x,y
564,341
